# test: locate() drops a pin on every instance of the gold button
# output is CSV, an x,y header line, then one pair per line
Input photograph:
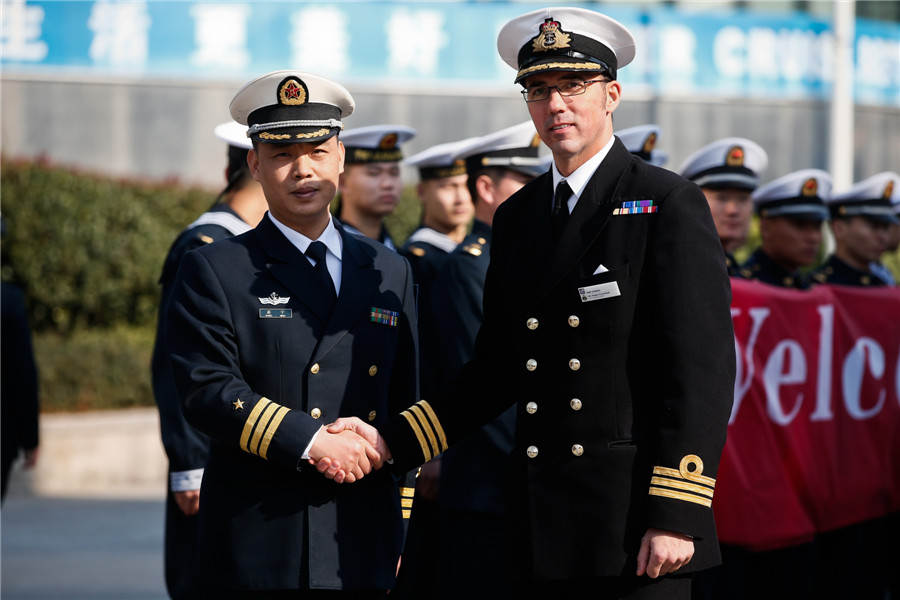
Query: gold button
x,y
577,450
532,451
531,365
532,323
574,321
315,413
314,369
574,364
372,370
372,416
575,403
531,408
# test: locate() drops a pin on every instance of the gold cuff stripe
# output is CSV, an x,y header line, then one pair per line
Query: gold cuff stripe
x,y
678,475
680,496
407,492
252,418
406,502
426,449
406,513
559,65
271,429
681,485
426,426
261,426
436,423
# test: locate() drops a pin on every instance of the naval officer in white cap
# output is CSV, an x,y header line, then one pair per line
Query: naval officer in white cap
x,y
728,170
607,324
277,332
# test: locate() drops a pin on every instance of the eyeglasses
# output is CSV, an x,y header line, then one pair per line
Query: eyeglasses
x,y
572,87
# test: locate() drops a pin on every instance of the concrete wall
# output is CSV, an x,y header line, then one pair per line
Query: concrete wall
x,y
163,130
109,454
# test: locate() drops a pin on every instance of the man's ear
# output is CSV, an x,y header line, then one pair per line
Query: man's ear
x,y
484,185
613,95
253,163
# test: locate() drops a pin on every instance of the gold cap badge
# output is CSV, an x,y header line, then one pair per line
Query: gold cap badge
x,y
810,188
292,92
551,37
735,157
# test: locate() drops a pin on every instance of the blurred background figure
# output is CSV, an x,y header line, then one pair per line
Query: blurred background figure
x,y
471,505
446,211
238,208
728,170
371,185
641,141
791,210
18,383
861,220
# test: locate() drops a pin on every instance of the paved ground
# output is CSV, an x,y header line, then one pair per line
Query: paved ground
x,y
81,549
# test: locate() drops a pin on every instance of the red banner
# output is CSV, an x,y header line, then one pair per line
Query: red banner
x,y
814,437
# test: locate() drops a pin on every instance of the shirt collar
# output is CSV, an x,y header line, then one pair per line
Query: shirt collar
x,y
579,178
330,237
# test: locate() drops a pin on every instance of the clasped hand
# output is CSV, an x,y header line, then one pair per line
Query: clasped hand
x,y
347,450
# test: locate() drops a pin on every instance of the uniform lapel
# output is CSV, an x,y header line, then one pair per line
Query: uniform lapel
x,y
292,269
591,214
359,281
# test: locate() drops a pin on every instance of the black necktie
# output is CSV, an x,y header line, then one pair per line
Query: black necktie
x,y
560,209
316,251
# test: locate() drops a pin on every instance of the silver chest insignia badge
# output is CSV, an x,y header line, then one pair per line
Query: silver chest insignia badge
x,y
274,299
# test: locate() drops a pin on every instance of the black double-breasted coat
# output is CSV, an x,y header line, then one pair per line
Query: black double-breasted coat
x,y
616,345
261,362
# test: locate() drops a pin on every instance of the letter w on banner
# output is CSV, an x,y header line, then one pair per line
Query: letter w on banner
x,y
814,436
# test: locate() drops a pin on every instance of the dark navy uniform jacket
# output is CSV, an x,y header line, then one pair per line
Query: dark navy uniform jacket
x,y
425,260
186,448
473,472
261,362
622,375
836,271
760,267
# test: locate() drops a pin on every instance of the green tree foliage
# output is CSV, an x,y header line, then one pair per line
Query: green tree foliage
x,y
88,250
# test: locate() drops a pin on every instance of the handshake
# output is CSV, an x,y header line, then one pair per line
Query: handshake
x,y
348,449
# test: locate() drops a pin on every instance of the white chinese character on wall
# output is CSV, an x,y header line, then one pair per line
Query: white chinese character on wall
x,y
120,33
20,32
220,33
414,40
319,40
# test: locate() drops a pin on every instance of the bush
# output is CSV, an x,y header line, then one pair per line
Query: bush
x,y
88,250
94,369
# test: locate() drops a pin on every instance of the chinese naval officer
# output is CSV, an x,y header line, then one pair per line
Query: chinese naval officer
x,y
612,337
274,333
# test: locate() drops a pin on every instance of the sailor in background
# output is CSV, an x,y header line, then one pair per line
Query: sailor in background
x,y
238,208
472,498
641,141
371,185
728,171
791,210
446,212
861,218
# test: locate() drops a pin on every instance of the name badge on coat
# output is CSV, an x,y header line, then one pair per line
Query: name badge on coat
x,y
601,291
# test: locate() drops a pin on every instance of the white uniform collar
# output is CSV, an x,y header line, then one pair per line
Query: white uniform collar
x,y
579,178
330,237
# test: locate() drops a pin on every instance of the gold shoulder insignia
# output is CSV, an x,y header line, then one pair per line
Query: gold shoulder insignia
x,y
684,483
417,251
406,500
474,249
205,238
